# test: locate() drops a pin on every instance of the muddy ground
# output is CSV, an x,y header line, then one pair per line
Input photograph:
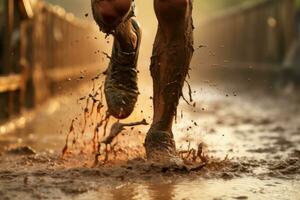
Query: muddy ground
x,y
251,139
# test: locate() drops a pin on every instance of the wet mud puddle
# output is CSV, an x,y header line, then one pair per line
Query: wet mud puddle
x,y
254,144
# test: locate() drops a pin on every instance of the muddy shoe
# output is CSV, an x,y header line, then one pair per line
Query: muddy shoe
x,y
160,148
121,89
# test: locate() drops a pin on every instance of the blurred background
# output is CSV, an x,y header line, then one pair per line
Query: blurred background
x,y
48,48
245,106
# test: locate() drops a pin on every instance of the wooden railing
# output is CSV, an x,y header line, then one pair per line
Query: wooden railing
x,y
52,46
254,34
10,83
63,45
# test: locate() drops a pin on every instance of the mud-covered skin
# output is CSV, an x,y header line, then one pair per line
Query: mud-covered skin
x,y
172,53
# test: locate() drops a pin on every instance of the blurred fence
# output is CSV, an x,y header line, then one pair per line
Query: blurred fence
x,y
256,35
44,45
41,49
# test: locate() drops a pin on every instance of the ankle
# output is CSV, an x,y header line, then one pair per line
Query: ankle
x,y
159,140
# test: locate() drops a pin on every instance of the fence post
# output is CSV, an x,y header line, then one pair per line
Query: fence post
x,y
6,97
288,15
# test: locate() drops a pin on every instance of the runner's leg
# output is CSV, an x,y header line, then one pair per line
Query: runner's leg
x,y
172,53
115,17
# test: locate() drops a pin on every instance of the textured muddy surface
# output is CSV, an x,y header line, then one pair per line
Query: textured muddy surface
x,y
252,141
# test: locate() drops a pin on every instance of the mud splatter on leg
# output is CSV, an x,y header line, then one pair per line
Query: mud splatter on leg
x,y
172,53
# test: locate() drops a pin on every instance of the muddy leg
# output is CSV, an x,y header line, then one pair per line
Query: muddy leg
x,y
120,87
172,53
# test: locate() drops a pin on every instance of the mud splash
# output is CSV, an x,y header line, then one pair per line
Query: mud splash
x,y
86,141
49,176
261,139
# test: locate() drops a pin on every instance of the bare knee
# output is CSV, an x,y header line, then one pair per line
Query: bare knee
x,y
110,12
171,9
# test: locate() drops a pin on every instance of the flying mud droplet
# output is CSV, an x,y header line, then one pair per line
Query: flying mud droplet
x,y
115,130
71,130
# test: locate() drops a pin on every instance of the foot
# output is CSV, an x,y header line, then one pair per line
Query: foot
x,y
160,148
121,89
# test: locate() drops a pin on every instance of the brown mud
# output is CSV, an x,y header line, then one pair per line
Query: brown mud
x,y
250,150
